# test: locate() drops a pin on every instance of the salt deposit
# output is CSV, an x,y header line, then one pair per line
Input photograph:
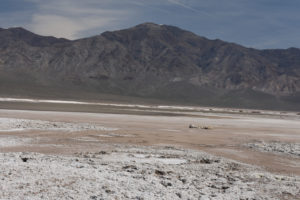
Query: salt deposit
x,y
11,124
11,141
125,173
290,149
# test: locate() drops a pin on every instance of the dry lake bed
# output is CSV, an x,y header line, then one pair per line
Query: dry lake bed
x,y
124,151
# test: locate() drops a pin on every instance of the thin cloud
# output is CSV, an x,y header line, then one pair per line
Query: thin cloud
x,y
65,27
256,23
69,19
182,4
187,6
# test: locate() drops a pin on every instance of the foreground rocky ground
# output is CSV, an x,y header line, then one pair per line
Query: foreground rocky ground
x,y
133,172
277,147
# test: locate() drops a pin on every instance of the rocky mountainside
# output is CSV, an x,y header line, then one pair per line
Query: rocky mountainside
x,y
149,61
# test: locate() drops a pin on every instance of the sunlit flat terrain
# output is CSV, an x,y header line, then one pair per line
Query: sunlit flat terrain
x,y
231,149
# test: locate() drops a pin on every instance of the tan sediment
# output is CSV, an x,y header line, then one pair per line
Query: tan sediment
x,y
226,138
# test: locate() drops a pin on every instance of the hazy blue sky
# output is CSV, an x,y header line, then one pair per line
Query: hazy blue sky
x,y
252,23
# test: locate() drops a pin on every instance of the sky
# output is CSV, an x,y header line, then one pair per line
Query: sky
x,y
262,24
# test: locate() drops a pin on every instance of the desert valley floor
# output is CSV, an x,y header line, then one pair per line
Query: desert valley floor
x,y
124,151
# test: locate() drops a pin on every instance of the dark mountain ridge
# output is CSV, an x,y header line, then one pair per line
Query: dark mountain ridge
x,y
29,38
149,61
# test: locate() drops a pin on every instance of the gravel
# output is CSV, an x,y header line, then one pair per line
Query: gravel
x,y
289,149
132,172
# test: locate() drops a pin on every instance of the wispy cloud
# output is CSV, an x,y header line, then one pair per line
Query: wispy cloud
x,y
180,3
69,19
61,26
255,23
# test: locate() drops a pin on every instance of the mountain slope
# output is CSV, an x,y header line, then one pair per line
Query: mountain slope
x,y
149,61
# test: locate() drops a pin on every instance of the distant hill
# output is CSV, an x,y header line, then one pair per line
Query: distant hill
x,y
149,61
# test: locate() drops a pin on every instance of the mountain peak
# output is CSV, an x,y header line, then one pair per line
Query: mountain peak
x,y
154,26
149,24
148,31
19,29
153,61
21,34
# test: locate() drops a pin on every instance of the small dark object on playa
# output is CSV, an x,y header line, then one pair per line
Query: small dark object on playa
x,y
130,168
199,127
24,159
192,126
205,127
160,173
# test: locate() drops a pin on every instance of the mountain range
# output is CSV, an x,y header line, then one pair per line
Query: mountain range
x,y
149,62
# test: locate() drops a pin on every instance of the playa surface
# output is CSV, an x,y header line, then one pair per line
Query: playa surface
x,y
123,151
